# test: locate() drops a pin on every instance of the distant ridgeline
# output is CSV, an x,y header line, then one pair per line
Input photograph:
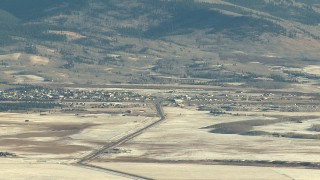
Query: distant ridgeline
x,y
161,18
13,14
34,9
176,17
289,9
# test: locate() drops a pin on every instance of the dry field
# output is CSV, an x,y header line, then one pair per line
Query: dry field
x,y
62,137
38,60
19,170
33,59
181,137
69,35
312,70
213,172
48,145
289,127
28,79
14,56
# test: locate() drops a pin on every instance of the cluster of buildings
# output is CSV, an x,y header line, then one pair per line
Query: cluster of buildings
x,y
43,94
246,101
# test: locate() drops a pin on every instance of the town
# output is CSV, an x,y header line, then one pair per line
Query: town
x,y
214,101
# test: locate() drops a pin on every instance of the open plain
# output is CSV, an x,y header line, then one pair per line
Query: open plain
x,y
153,133
62,137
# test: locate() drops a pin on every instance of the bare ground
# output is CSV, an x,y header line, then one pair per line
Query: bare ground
x,y
218,172
181,137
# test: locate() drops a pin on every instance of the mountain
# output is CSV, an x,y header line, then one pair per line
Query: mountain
x,y
155,41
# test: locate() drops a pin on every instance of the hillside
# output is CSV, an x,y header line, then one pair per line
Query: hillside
x,y
157,41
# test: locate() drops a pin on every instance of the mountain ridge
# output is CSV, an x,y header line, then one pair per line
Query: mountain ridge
x,y
125,39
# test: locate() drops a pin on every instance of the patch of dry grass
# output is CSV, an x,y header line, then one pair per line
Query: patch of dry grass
x,y
315,127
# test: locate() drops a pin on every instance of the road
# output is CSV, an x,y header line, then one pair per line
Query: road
x,y
84,162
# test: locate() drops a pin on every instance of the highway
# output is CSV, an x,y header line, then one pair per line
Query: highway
x,y
84,161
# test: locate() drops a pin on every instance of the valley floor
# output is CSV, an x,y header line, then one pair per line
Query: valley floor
x,y
156,140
